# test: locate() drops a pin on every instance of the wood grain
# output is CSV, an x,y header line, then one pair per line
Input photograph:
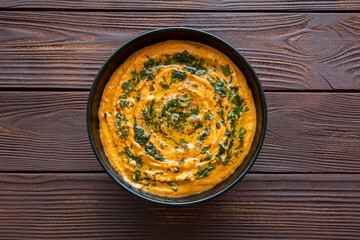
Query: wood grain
x,y
163,5
307,132
289,51
317,206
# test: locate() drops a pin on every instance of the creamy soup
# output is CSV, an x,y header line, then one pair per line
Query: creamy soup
x,y
177,118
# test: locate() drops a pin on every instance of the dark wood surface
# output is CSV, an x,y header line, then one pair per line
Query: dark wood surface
x,y
184,5
305,183
289,51
91,205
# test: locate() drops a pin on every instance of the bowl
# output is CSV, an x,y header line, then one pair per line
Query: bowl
x,y
152,37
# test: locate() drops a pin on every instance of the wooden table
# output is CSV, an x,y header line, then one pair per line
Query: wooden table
x,y
306,182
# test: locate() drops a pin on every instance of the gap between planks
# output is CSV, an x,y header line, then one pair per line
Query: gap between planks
x,y
178,11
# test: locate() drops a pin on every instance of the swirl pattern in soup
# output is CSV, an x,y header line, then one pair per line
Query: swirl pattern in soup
x,y
177,118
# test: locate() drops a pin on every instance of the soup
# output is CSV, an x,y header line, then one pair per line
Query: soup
x,y
177,118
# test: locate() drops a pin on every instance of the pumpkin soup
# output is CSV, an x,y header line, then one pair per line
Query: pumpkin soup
x,y
177,118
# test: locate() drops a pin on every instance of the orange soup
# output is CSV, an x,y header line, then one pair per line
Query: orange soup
x,y
177,118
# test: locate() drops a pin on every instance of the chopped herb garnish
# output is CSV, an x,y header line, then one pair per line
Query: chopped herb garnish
x,y
122,102
226,70
205,149
189,69
227,133
140,136
149,63
173,185
178,75
200,72
221,113
146,73
152,151
209,116
127,85
202,136
208,157
242,132
225,161
164,85
151,88
204,172
130,155
137,174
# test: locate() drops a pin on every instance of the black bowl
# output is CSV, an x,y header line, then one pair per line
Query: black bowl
x,y
152,37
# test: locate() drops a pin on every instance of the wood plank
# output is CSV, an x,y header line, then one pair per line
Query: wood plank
x,y
209,5
290,51
307,132
298,206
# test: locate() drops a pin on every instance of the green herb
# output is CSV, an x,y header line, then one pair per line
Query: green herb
x,y
149,63
130,155
200,72
127,85
226,70
220,152
122,102
151,88
235,89
187,179
176,170
218,126
152,151
221,113
190,69
164,85
182,161
225,161
198,125
227,133
140,136
146,73
202,136
204,172
221,89
117,121
182,58
242,132
237,100
124,133
209,116
135,77
137,176
159,173
205,149
208,157
173,185
178,75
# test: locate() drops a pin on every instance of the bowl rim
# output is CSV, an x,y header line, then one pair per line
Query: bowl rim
x,y
195,31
